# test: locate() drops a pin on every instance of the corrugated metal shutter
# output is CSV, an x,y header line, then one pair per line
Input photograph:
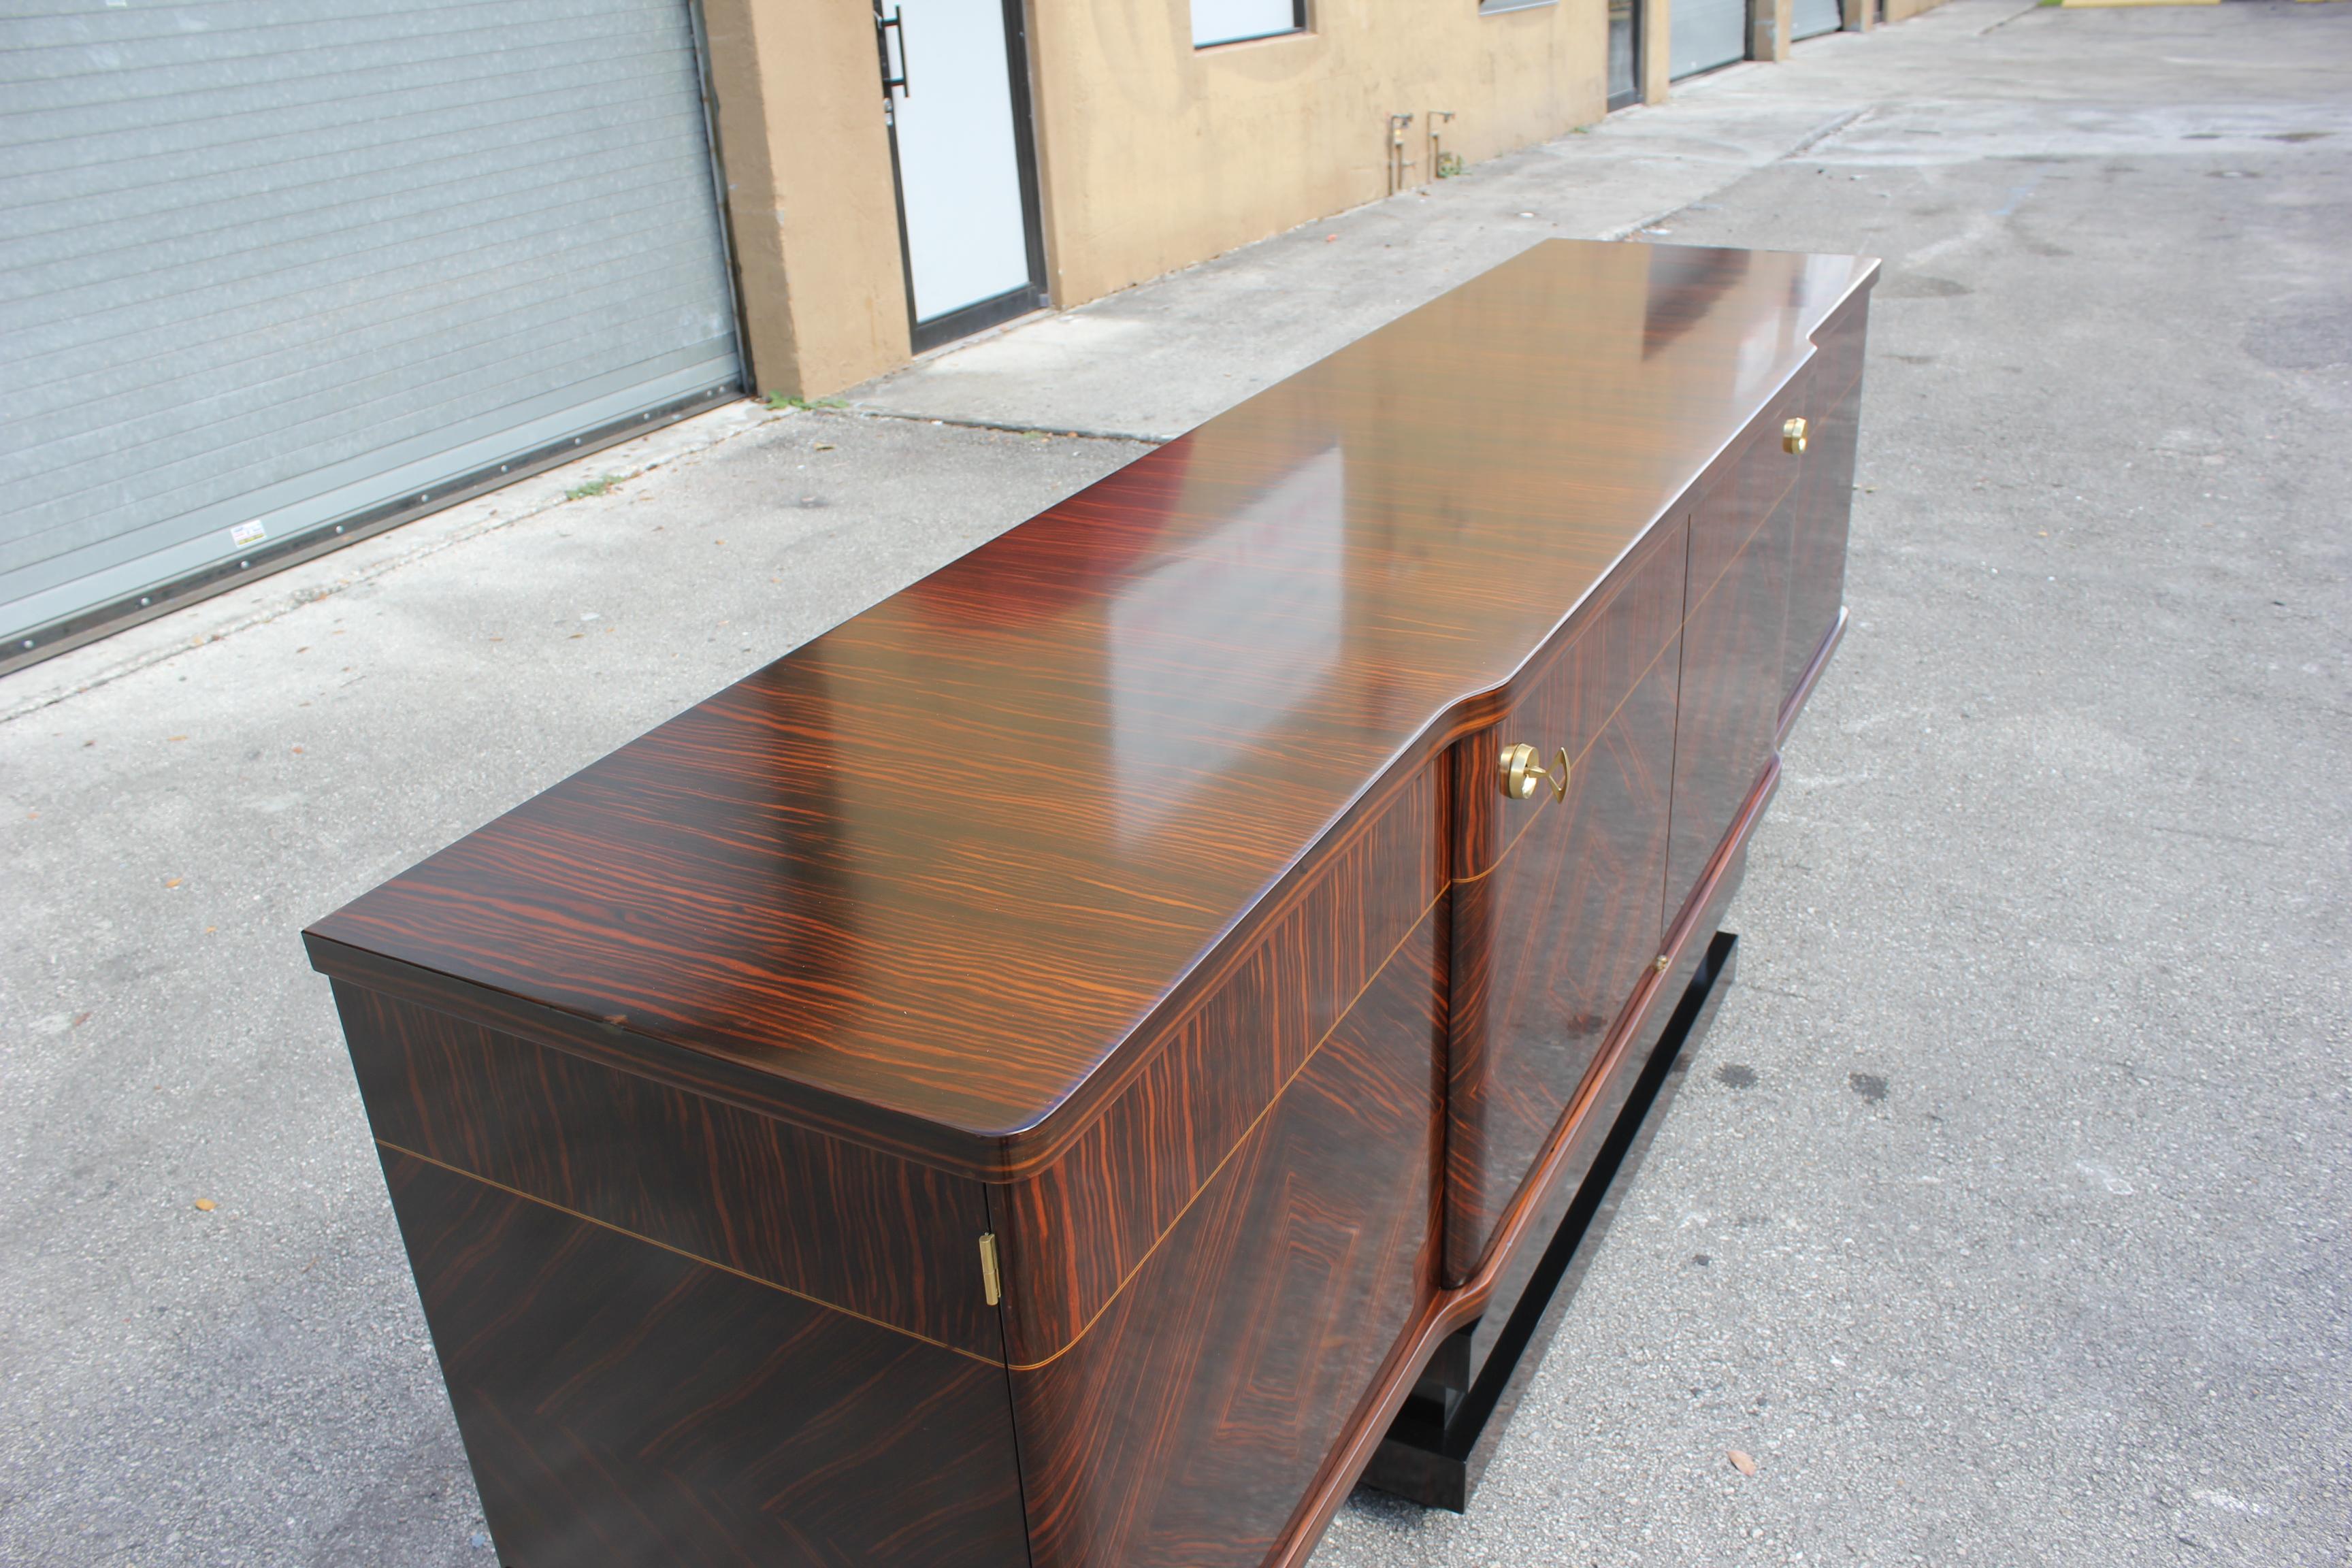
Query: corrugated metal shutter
x,y
278,262
1705,34
1814,17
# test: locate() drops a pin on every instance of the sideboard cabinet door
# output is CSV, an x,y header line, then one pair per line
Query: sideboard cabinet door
x,y
1824,498
1181,1425
675,1331
1735,617
1554,933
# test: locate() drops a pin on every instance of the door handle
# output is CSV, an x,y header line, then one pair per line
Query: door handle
x,y
1522,773
883,27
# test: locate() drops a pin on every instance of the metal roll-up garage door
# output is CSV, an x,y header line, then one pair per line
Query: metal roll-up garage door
x,y
1705,34
270,267
1812,18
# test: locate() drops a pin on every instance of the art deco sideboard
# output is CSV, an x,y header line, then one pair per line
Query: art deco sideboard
x,y
1038,1074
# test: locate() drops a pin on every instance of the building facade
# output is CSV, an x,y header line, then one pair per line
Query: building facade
x,y
1154,134
284,275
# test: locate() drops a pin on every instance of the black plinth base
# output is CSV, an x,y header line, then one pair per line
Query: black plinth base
x,y
1436,1448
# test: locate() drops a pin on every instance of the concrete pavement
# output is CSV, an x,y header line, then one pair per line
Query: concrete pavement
x,y
2003,1219
1159,358
251,1384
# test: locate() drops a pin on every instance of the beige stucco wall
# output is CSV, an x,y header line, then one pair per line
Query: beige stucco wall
x,y
1655,19
811,207
1154,155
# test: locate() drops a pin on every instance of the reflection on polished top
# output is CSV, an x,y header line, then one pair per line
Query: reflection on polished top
x,y
940,863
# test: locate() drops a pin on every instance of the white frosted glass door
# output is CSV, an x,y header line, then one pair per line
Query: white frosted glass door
x,y
959,157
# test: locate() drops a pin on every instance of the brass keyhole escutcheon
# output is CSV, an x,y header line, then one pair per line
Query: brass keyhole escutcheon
x,y
1793,437
1522,773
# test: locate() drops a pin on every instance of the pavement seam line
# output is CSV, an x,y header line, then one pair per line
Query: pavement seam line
x,y
1010,429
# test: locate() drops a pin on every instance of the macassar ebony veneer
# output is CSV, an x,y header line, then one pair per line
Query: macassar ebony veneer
x,y
1042,1072
1449,1428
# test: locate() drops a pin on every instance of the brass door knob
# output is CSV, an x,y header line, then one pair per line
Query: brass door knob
x,y
1793,437
1522,773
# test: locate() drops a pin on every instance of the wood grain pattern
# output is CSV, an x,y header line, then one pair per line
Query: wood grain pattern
x,y
1825,500
625,1406
1447,1311
1478,812
870,1233
1075,1232
1184,1426
1563,927
1582,1141
1735,616
1443,1438
934,874
1136,889
1464,1357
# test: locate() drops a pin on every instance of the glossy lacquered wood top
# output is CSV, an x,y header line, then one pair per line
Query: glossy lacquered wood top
x,y
932,870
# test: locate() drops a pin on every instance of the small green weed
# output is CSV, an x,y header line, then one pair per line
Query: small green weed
x,y
596,486
779,401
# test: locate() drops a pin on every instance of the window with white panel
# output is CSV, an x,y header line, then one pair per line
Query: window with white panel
x,y
1232,21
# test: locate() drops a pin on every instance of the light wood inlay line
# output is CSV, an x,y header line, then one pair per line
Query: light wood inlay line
x,y
1239,1143
1206,1183
682,1252
1099,1050
967,980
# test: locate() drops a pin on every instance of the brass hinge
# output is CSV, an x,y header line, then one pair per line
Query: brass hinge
x,y
991,1283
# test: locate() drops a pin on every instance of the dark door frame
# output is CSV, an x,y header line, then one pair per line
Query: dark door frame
x,y
1032,295
1641,24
